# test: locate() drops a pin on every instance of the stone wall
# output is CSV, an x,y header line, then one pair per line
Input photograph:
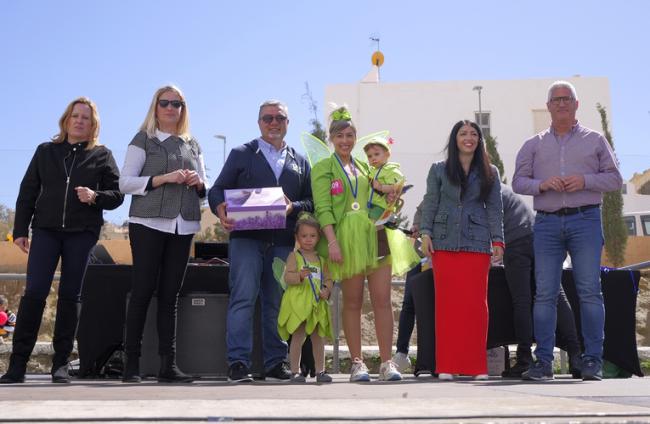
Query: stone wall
x,y
39,363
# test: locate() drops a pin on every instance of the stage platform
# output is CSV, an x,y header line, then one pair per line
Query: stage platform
x,y
422,399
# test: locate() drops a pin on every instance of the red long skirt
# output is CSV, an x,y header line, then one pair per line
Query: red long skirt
x,y
461,311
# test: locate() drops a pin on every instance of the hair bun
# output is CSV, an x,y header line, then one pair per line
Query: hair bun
x,y
305,215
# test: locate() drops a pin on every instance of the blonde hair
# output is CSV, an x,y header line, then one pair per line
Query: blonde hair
x,y
150,124
94,122
337,124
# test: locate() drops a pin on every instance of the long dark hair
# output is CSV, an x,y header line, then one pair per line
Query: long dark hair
x,y
480,162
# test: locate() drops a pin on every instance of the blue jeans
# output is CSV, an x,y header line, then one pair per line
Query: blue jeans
x,y
251,275
581,236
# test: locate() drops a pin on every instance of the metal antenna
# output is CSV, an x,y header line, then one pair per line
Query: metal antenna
x,y
376,40
377,61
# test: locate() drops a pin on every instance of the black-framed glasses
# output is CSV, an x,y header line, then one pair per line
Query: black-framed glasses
x,y
176,104
566,99
267,119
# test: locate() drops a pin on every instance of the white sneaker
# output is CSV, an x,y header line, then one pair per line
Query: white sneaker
x,y
401,361
445,376
481,377
388,372
359,371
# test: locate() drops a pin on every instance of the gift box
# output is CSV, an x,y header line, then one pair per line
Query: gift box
x,y
256,208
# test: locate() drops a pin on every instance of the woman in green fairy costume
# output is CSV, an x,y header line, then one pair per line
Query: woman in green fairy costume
x,y
341,190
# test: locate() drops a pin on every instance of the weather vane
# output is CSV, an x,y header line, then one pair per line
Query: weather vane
x,y
377,56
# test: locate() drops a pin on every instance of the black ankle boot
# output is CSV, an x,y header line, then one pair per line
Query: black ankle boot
x,y
575,364
61,374
16,371
169,372
65,328
30,312
131,373
523,362
516,370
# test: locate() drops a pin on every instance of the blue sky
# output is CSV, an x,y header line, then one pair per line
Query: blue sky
x,y
229,56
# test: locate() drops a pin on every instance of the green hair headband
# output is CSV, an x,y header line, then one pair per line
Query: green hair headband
x,y
305,215
341,115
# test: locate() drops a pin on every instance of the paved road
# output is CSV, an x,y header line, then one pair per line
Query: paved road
x,y
413,400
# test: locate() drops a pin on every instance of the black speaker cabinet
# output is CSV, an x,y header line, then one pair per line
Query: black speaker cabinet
x,y
200,337
101,324
209,250
205,279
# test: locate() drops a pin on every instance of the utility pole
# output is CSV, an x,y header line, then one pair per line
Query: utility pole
x,y
222,137
480,111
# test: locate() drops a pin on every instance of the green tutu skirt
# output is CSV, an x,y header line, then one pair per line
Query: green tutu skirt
x,y
402,253
357,238
299,305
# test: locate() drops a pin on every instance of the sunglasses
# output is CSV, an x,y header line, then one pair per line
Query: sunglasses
x,y
176,104
267,119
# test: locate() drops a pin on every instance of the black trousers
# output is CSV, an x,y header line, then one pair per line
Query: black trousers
x,y
159,264
46,248
518,263
407,314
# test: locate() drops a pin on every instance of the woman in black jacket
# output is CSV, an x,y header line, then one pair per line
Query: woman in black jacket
x,y
68,183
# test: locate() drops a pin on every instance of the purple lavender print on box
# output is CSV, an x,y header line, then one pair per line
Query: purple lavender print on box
x,y
256,208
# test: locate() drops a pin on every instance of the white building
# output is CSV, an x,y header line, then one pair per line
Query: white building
x,y
420,115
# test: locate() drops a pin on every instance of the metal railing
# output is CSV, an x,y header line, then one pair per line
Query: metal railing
x,y
336,312
637,267
22,277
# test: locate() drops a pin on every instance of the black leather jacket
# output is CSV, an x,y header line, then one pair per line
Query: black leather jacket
x,y
47,196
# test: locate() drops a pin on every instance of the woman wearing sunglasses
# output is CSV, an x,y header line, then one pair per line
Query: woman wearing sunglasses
x,y
165,174
68,184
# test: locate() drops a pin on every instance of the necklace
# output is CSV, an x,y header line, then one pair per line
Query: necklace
x,y
311,280
372,192
355,190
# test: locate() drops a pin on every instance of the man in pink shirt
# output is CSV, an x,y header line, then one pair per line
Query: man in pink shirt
x,y
567,168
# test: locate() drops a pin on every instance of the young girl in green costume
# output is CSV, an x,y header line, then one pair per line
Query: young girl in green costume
x,y
341,190
304,308
387,179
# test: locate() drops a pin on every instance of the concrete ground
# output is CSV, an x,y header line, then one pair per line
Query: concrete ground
x,y
422,399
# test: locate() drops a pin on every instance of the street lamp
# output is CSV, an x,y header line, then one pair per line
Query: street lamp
x,y
480,112
222,137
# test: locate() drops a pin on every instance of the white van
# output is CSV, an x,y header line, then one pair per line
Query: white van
x,y
638,223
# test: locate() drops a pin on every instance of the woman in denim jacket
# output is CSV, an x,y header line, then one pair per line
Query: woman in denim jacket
x,y
462,224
